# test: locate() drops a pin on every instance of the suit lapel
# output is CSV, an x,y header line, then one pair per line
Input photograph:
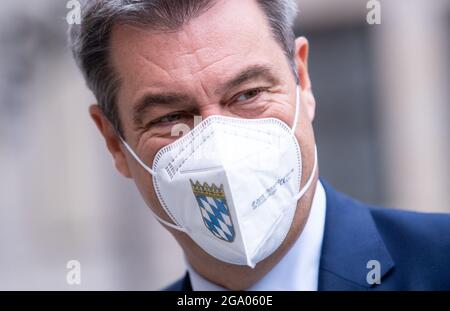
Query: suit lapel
x,y
186,285
351,240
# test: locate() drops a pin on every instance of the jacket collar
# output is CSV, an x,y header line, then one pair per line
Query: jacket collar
x,y
351,240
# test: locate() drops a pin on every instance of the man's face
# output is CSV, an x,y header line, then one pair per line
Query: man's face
x,y
224,62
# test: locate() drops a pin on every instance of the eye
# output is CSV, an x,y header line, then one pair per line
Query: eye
x,y
248,95
170,118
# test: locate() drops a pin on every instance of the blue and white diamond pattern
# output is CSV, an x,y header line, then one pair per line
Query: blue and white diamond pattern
x,y
216,216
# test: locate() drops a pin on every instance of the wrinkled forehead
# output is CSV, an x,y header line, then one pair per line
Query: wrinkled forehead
x,y
211,46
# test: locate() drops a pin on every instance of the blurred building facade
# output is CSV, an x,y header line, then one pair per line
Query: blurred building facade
x,y
382,131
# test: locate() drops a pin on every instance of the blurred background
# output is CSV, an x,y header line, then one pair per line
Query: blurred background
x,y
382,127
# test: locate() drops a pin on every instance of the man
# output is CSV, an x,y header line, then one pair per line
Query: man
x,y
240,192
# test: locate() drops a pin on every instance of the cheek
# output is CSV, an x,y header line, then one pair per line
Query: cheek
x,y
282,111
141,177
144,183
148,147
308,106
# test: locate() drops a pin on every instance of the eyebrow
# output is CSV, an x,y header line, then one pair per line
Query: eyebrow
x,y
252,72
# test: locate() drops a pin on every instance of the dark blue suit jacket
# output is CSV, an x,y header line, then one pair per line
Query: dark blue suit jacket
x,y
413,249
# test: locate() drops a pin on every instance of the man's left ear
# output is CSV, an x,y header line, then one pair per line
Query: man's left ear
x,y
301,60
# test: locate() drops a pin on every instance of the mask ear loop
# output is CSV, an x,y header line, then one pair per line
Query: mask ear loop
x,y
153,173
297,109
294,127
310,179
148,169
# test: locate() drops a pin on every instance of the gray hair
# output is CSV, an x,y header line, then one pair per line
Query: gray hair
x,y
89,41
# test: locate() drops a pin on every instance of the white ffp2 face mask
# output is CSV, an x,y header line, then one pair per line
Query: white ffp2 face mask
x,y
232,185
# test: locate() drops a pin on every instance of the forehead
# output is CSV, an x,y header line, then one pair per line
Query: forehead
x,y
210,47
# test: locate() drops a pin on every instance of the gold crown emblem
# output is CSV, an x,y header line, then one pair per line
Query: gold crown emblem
x,y
206,190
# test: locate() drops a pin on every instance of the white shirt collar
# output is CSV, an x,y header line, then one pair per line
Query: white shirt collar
x,y
298,270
